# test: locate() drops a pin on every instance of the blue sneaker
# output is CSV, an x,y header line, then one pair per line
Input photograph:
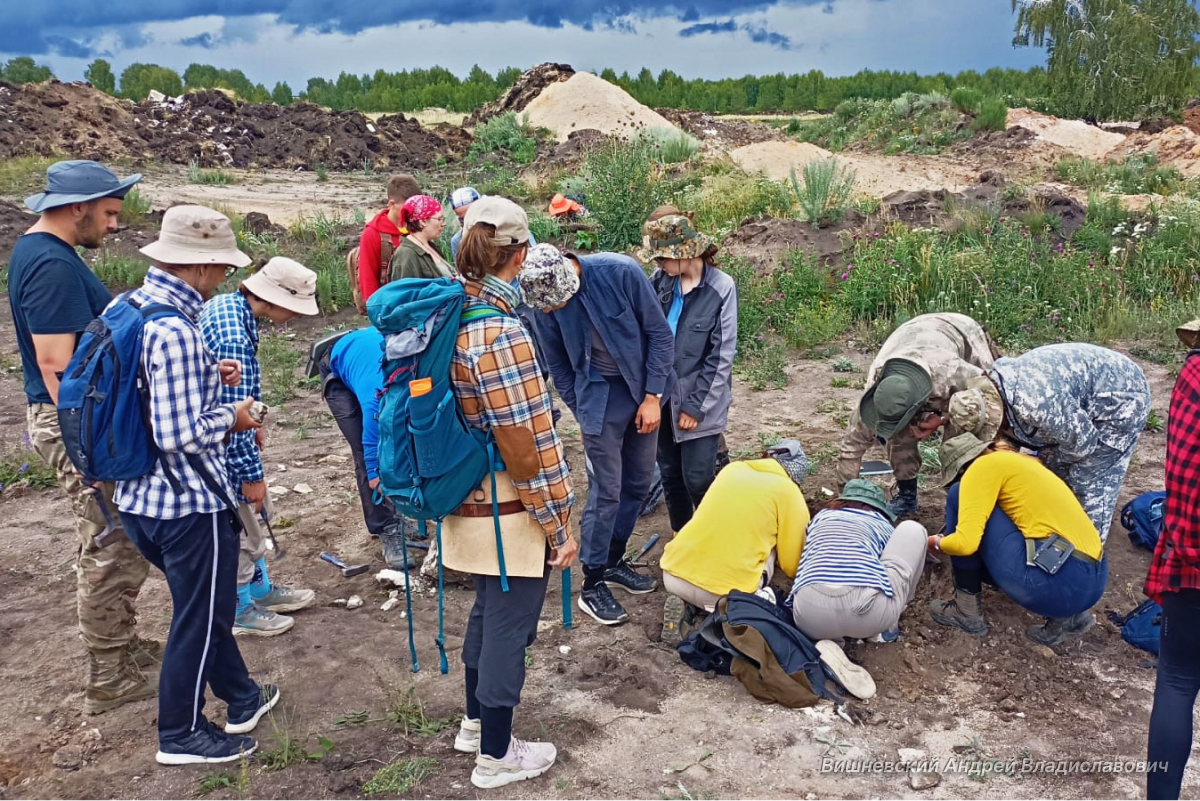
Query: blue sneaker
x,y
206,744
891,635
240,721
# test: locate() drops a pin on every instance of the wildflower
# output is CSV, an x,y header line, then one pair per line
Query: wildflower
x,y
845,276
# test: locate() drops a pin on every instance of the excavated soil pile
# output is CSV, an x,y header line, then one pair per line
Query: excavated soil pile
x,y
1075,136
1177,146
46,119
573,151
13,222
217,130
586,101
521,93
723,134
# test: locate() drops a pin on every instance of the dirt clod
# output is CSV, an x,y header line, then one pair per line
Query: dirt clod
x,y
69,757
923,779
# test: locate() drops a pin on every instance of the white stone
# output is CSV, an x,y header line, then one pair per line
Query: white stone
x,y
564,649
391,577
911,754
278,490
353,602
303,489
334,458
389,604
338,602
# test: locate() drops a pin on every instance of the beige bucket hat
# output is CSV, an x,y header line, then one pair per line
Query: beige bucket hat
x,y
286,283
196,235
1189,334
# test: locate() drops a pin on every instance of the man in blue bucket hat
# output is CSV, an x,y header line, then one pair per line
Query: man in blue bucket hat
x,y
54,296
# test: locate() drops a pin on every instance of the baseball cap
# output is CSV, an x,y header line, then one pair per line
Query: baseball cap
x,y
463,196
510,220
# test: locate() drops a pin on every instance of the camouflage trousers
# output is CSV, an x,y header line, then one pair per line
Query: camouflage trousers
x,y
902,452
108,579
1096,482
253,543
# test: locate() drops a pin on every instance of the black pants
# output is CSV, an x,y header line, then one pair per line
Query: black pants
x,y
1174,692
688,469
344,405
199,556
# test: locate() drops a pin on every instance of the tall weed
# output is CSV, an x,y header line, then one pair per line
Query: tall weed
x,y
621,185
670,146
505,134
825,192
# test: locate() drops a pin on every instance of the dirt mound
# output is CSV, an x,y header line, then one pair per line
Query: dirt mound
x,y
586,101
217,130
13,222
1075,136
572,152
1191,115
765,242
521,93
1178,146
723,134
52,118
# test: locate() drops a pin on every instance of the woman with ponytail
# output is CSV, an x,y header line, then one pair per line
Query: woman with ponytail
x,y
417,256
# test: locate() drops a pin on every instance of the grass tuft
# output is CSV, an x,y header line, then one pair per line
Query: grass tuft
x,y
212,177
400,777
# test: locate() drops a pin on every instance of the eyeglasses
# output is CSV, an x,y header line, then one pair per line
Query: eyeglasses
x,y
229,271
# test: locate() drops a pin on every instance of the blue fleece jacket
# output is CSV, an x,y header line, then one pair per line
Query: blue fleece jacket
x,y
616,297
357,360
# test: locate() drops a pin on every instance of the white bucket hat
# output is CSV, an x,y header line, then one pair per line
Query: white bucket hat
x,y
196,235
286,283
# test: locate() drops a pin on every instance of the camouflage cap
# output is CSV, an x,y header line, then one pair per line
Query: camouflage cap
x,y
977,409
957,454
1189,334
672,237
547,279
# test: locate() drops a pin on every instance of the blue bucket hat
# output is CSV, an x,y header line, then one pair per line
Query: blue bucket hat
x,y
70,182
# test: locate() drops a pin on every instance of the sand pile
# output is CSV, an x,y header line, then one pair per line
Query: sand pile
x,y
1177,146
586,101
522,93
777,158
1075,136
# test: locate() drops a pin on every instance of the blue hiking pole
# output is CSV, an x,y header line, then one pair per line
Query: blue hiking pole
x,y
566,598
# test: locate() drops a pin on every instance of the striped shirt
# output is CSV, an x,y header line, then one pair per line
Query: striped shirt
x,y
231,332
843,548
186,414
498,383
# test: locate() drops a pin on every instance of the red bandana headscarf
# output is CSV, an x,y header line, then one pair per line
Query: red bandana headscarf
x,y
419,207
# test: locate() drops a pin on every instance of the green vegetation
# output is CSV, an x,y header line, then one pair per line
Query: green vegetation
x,y
22,69
1135,175
408,713
400,777
134,207
24,175
138,80
543,227
722,201
24,468
120,272
100,75
216,177
322,173
670,146
278,359
910,123
505,134
825,191
992,115
620,181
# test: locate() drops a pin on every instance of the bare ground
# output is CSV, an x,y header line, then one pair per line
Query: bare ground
x,y
630,720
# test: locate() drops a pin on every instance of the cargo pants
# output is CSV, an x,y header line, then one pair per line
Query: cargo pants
x,y
108,579
253,544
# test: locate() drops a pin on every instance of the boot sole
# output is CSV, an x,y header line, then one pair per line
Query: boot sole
x,y
492,781
238,631
164,758
293,607
612,584
854,678
672,628
99,707
600,620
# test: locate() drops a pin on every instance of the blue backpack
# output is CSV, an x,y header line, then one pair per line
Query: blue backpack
x,y
1142,627
1143,518
102,410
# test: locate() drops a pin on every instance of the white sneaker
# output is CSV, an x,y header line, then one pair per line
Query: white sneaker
x,y
524,760
854,678
467,739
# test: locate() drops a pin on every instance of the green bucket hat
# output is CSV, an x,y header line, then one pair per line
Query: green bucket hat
x,y
672,237
957,453
889,405
863,491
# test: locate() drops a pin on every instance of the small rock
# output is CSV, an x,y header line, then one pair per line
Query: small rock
x,y
278,490
282,468
92,736
333,458
923,779
1043,651
542,627
353,602
916,667
303,489
828,493
911,754
564,649
338,602
892,694
1118,694
896,724
69,757
1009,704
389,604
38,718
395,577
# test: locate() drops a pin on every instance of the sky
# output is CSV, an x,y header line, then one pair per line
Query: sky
x,y
293,40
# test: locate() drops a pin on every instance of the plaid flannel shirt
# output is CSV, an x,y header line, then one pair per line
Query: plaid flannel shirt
x,y
186,415
497,380
231,332
1176,562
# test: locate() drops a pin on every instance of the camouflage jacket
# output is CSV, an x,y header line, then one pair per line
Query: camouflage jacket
x,y
952,348
1073,397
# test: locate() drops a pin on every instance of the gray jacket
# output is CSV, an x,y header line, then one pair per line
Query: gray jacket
x,y
705,344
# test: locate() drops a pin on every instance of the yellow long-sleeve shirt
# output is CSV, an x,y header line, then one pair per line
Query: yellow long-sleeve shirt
x,y
1036,500
751,508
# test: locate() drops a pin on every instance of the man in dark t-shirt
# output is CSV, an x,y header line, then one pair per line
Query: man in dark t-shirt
x,y
54,295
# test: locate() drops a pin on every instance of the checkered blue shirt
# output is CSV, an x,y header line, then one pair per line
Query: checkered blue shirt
x,y
186,414
231,332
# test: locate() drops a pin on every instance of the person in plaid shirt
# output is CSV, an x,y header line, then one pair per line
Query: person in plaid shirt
x,y
1174,582
281,291
181,515
499,386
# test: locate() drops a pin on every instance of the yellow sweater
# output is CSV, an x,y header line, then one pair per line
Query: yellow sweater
x,y
750,509
1037,501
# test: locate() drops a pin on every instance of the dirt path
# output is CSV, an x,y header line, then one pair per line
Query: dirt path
x,y
629,718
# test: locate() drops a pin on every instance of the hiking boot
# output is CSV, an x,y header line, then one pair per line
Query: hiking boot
x,y
1057,629
206,744
524,760
602,606
628,579
260,622
145,653
854,678
241,721
467,739
905,500
115,679
394,552
963,611
285,599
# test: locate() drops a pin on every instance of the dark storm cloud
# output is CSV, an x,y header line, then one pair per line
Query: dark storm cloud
x,y
757,34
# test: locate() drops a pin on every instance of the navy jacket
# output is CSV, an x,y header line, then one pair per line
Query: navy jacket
x,y
617,298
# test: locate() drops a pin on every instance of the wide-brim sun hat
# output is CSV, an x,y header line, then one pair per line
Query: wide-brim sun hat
x,y
957,453
860,490
893,401
672,237
977,409
1189,334
79,181
286,283
196,235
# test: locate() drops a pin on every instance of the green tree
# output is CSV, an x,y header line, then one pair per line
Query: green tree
x,y
1114,59
100,75
282,94
22,70
138,79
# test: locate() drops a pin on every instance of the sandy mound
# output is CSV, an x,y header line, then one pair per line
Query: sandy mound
x,y
777,158
1177,146
586,101
522,93
1075,136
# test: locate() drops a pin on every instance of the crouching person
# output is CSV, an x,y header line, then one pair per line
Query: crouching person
x,y
181,515
750,522
498,384
281,291
859,569
1016,525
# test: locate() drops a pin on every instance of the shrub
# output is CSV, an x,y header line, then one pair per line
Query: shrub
x,y
119,272
825,192
966,99
671,146
504,134
992,115
198,175
620,186
722,202
543,227
1135,175
134,207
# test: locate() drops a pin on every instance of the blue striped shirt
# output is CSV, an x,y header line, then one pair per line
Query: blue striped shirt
x,y
843,548
231,332
186,414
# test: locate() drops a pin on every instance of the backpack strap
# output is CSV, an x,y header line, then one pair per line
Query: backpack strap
x,y
386,250
491,450
412,642
443,665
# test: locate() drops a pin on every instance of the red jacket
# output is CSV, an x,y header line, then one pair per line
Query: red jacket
x,y
1176,563
369,252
